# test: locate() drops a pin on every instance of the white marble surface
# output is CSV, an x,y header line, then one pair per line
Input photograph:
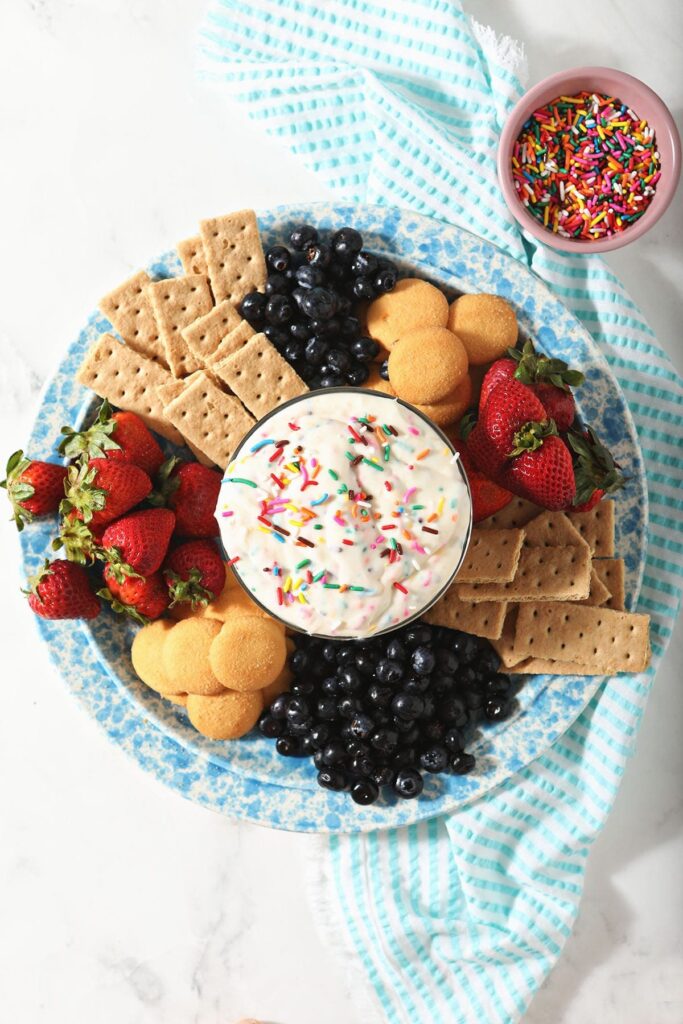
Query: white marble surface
x,y
119,901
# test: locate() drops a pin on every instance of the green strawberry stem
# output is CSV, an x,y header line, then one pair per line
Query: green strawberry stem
x,y
81,496
120,570
18,490
122,609
189,590
77,541
92,443
530,437
35,580
594,466
532,367
164,483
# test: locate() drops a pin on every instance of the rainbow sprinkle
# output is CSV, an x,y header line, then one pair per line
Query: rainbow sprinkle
x,y
586,166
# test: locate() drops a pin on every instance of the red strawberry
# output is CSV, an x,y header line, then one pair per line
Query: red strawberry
x,y
102,490
543,474
194,572
498,373
549,379
33,488
142,598
509,407
61,590
137,543
487,497
120,436
595,470
191,490
559,404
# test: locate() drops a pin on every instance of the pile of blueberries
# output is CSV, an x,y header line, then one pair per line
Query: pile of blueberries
x,y
307,310
380,712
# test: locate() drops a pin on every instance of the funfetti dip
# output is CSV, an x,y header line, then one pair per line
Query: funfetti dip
x,y
345,513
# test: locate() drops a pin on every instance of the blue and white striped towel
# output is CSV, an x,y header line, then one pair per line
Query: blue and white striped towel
x,y
460,919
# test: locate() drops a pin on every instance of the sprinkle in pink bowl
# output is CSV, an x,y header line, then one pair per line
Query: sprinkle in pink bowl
x,y
636,95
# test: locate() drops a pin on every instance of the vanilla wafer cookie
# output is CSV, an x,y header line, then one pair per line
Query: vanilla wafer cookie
x,y
234,256
492,556
543,574
205,334
129,381
176,303
129,311
213,421
259,375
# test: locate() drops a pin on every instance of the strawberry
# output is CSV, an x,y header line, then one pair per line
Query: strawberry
x,y
195,573
100,490
121,436
137,543
191,490
143,598
595,470
508,408
33,488
61,590
549,379
487,497
543,473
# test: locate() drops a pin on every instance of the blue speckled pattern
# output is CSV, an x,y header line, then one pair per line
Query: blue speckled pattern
x,y
247,779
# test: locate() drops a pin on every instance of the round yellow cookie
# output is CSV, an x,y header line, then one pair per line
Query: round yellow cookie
x,y
486,325
226,716
248,653
234,600
412,303
452,407
146,655
186,656
427,364
177,698
278,686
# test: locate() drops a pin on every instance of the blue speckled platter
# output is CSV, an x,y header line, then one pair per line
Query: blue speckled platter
x,y
247,779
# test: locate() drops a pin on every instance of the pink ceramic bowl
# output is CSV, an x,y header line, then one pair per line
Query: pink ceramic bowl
x,y
636,95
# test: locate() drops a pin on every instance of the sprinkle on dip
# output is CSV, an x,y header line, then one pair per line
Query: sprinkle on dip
x,y
586,166
345,513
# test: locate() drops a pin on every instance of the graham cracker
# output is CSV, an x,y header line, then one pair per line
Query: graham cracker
x,y
611,572
504,645
213,421
176,303
234,256
167,392
606,640
206,333
129,381
259,375
546,667
597,528
483,619
516,514
191,255
130,313
598,593
549,574
491,557
551,530
230,344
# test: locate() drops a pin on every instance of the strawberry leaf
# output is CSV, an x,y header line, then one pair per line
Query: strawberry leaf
x,y
77,541
120,570
122,609
18,490
95,441
530,437
81,496
594,466
189,590
164,483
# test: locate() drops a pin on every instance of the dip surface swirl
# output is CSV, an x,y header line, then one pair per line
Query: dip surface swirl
x,y
345,513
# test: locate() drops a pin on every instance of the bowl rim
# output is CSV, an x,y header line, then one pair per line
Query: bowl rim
x,y
351,637
665,128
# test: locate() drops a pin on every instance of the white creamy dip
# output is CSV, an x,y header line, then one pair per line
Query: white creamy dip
x,y
345,513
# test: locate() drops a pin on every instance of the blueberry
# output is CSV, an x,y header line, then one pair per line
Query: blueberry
x,y
498,685
361,764
327,708
307,747
326,328
343,305
365,663
349,328
319,254
329,653
383,775
357,374
278,707
364,263
348,707
363,288
334,752
277,258
496,709
316,350
423,660
433,731
299,330
364,349
362,726
452,708
346,653
298,709
338,360
408,784
331,380
404,757
384,370
364,792
447,661
384,281
454,740
288,746
389,671
429,708
474,700
467,677
303,687
418,634
379,695
278,336
253,308
318,303
300,728
309,277
385,740
318,760
320,734
346,243
465,646
434,759
417,684
349,679
303,237
332,778
395,650
278,310
270,727
462,763
408,706
277,284
293,351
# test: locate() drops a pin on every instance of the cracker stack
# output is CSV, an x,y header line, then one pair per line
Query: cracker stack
x,y
547,591
184,359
